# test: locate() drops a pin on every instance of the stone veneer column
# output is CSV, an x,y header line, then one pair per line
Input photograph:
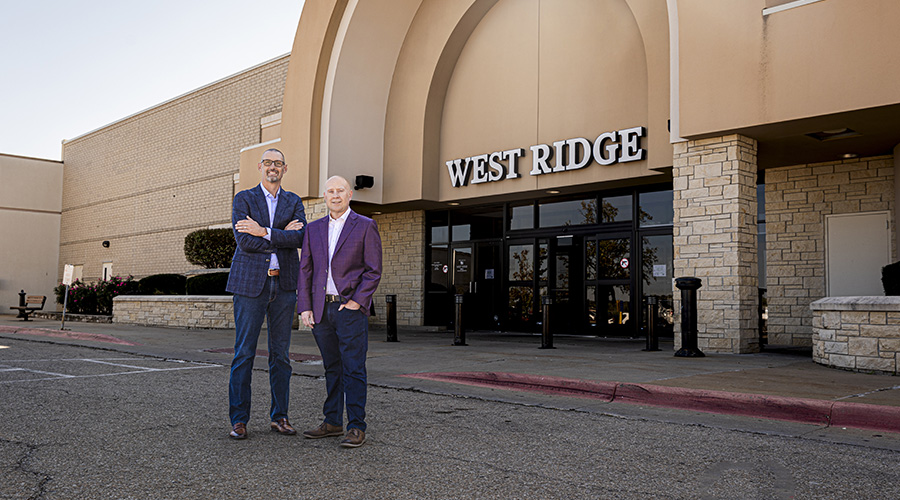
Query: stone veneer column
x,y
714,184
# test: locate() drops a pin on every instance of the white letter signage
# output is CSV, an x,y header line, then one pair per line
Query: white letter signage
x,y
618,146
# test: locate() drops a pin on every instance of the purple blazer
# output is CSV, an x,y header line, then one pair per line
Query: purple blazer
x,y
355,266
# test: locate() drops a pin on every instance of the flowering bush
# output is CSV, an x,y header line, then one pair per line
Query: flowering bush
x,y
94,298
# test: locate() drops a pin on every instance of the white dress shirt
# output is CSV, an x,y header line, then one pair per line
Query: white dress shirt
x,y
335,226
272,202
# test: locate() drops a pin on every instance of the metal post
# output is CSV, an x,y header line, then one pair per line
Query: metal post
x,y
688,287
652,339
391,301
546,336
459,332
22,304
65,302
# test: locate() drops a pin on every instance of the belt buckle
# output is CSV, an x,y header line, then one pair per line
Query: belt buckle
x,y
273,272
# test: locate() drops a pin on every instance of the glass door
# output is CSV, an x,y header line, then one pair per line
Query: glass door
x,y
656,281
607,285
483,303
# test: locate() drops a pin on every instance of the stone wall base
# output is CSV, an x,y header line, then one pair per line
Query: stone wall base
x,y
176,311
857,333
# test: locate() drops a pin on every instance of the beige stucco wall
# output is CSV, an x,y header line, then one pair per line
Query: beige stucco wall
x,y
397,94
738,68
797,200
145,182
30,213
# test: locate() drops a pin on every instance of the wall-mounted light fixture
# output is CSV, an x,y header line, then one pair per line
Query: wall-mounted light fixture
x,y
364,181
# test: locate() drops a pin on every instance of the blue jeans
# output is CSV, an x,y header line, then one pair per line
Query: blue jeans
x,y
276,306
343,340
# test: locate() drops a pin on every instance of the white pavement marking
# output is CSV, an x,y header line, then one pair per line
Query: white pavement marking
x,y
106,362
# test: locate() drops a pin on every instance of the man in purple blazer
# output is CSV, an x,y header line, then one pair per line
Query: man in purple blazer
x,y
268,227
340,268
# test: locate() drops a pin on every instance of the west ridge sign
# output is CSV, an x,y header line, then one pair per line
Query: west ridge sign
x,y
618,146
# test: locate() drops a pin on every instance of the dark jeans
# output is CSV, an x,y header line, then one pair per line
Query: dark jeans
x,y
343,340
276,306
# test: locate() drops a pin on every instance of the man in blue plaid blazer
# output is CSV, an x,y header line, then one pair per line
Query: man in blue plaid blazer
x,y
268,227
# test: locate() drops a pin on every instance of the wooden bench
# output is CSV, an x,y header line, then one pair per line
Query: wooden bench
x,y
32,303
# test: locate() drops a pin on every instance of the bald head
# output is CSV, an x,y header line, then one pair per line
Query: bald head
x,y
337,196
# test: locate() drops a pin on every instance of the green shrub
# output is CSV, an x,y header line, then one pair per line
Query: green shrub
x,y
207,284
162,284
890,278
94,298
210,248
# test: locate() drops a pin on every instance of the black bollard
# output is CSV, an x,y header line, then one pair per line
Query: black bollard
x,y
688,287
459,332
546,336
22,304
652,340
391,306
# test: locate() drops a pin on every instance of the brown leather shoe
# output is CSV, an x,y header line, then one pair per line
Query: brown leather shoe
x,y
355,438
324,430
282,426
238,431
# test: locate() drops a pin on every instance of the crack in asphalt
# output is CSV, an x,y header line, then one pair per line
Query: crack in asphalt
x,y
21,466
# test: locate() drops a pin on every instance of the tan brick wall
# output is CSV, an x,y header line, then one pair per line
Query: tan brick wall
x,y
145,182
714,184
403,262
797,200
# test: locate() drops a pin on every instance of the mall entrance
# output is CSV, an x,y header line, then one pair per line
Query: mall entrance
x,y
591,255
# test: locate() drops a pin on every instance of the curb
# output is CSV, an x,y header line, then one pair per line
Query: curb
x,y
802,410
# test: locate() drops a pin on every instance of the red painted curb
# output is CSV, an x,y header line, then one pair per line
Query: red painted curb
x,y
528,383
866,416
808,411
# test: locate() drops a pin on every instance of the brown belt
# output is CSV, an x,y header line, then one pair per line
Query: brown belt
x,y
332,298
273,272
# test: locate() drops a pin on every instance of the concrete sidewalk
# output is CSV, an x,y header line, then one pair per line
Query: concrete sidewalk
x,y
783,385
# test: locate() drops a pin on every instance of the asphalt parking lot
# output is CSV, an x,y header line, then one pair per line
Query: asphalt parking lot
x,y
84,422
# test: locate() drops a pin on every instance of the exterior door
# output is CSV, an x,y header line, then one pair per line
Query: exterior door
x,y
483,302
607,285
857,246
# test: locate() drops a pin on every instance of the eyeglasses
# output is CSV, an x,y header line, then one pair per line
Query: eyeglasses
x,y
269,163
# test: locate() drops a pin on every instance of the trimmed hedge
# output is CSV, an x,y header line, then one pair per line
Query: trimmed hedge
x,y
890,278
207,284
162,284
94,298
210,248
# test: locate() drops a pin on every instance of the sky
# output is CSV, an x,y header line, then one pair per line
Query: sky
x,y
69,67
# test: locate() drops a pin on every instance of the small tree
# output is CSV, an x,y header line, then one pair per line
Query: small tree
x,y
210,248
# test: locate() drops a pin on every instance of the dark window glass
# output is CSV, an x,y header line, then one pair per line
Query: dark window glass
x,y
477,223
568,213
656,208
440,269
761,202
437,225
761,241
613,258
521,262
590,256
657,265
521,217
616,209
461,232
521,303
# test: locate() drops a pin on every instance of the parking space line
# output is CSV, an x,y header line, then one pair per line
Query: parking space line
x,y
60,376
